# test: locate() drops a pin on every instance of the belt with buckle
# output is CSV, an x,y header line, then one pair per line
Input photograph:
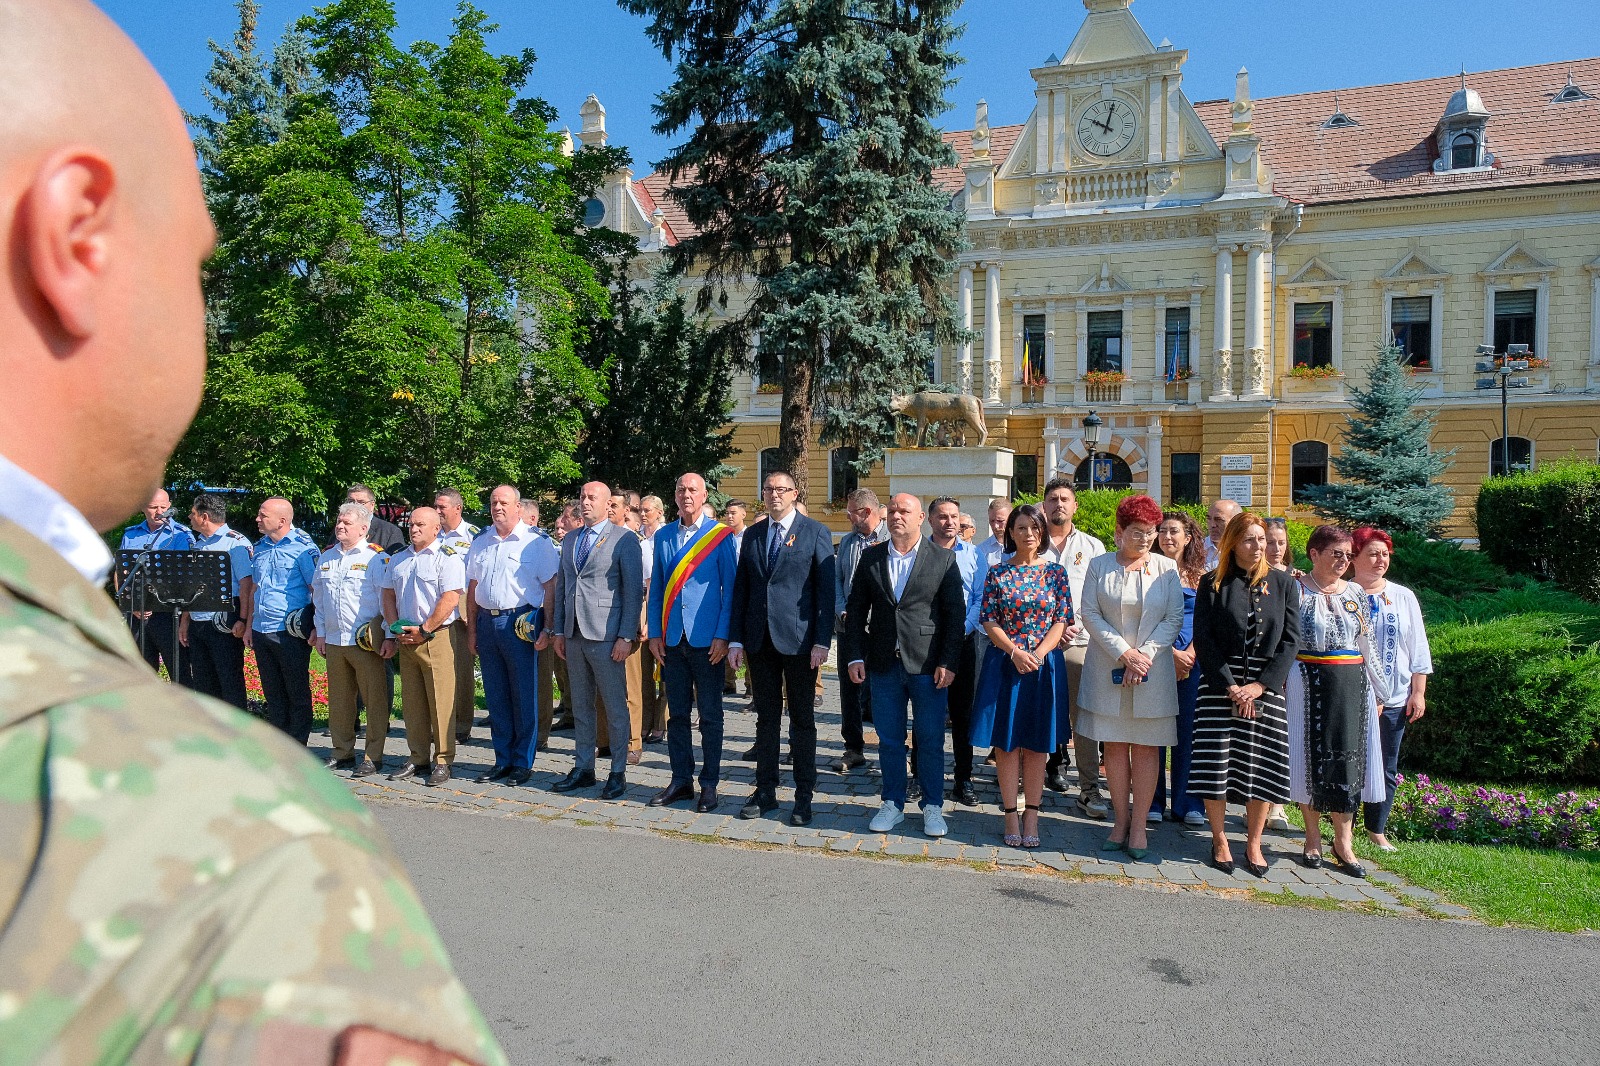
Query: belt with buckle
x,y
493,612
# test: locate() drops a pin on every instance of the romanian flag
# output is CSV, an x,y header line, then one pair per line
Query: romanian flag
x,y
688,562
1340,657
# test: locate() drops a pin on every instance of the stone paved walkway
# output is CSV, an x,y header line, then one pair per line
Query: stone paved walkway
x,y
845,802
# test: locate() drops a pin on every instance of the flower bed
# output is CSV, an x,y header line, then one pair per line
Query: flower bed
x,y
1424,810
319,682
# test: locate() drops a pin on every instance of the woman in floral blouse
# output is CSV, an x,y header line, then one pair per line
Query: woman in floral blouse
x,y
1022,703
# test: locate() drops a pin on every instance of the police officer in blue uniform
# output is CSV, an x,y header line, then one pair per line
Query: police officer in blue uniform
x,y
154,628
284,563
215,639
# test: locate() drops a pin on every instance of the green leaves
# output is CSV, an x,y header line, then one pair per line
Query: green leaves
x,y
400,288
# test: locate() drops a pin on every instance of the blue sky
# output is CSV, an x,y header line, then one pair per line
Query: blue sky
x,y
591,46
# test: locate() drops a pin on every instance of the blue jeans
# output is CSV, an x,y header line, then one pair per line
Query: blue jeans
x,y
692,680
1391,731
890,691
1180,758
511,689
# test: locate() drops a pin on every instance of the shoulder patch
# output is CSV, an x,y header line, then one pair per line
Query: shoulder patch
x,y
236,535
445,549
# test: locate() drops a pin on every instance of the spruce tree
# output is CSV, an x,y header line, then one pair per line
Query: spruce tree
x,y
1389,472
807,176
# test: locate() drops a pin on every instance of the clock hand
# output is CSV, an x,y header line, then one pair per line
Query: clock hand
x,y
1105,125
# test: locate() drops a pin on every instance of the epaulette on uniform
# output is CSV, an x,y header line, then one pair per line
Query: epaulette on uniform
x,y
445,549
236,535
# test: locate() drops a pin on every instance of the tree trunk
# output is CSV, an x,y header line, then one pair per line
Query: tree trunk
x,y
794,426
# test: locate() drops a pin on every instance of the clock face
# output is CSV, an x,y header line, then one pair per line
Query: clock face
x,y
1106,127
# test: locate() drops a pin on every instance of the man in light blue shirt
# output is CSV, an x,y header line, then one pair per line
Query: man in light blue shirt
x,y
284,564
944,515
216,655
154,627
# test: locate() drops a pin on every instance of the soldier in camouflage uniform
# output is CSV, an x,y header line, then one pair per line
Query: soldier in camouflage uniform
x,y
178,882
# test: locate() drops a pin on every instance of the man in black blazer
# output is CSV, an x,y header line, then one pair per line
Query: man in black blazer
x,y
782,625
904,625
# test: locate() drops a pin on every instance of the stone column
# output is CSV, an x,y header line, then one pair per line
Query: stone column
x,y
964,352
991,333
1255,307
1222,332
1016,352
1050,353
1052,447
1154,459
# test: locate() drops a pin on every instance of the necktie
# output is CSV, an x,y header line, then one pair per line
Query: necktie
x,y
774,548
585,545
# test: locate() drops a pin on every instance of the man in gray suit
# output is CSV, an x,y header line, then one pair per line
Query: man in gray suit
x,y
598,602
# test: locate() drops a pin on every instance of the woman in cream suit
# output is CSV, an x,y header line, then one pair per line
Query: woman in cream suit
x,y
1128,698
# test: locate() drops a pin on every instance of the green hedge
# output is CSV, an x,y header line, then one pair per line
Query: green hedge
x,y
1543,523
1097,515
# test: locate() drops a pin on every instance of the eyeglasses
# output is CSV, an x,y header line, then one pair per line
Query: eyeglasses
x,y
1139,534
1340,556
778,490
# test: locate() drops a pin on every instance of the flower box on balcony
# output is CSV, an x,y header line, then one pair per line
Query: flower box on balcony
x,y
1104,377
1302,372
769,390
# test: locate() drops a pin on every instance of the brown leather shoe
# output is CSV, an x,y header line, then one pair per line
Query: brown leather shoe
x,y
633,758
407,771
441,774
366,769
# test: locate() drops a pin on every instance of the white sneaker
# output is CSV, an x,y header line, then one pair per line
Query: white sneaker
x,y
889,815
1092,805
1194,818
1153,818
933,821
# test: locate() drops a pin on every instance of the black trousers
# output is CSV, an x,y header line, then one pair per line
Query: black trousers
x,y
285,664
216,663
855,708
961,691
155,636
772,675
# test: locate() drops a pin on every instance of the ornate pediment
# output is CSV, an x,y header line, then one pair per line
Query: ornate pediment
x,y
1518,260
1104,281
1414,267
1317,275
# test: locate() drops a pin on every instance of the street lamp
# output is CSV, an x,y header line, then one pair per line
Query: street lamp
x,y
1091,437
1516,358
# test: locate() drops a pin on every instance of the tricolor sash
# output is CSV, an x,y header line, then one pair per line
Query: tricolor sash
x,y
689,560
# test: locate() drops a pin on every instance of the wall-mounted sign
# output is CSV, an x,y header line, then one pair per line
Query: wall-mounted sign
x,y
1238,462
1237,487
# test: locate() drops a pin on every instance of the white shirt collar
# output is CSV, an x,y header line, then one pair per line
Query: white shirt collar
x,y
45,513
904,554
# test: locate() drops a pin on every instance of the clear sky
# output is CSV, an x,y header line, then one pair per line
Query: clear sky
x,y
591,46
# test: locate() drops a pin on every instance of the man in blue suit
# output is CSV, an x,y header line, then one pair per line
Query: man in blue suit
x,y
688,614
782,624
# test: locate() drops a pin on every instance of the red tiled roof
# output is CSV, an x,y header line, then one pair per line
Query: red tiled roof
x,y
1389,153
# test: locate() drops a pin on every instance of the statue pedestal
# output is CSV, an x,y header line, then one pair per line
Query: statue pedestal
x,y
972,475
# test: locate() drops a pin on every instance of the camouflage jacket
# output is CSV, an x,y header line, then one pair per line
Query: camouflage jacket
x,y
180,883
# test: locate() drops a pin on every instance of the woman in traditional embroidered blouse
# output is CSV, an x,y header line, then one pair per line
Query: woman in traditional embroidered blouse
x,y
1022,703
1335,761
1401,661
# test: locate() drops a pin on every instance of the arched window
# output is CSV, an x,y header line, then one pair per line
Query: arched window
x,y
1521,456
842,478
1463,152
1308,466
766,463
1111,473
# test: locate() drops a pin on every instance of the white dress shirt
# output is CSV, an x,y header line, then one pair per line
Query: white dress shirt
x,y
1074,556
420,578
900,564
45,513
511,571
347,591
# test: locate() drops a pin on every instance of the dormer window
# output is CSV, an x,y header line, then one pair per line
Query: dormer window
x,y
1462,133
1464,152
1570,92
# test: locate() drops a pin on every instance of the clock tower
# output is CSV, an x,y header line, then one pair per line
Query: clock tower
x,y
1111,125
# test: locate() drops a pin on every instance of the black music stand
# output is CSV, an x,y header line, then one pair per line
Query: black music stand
x,y
173,581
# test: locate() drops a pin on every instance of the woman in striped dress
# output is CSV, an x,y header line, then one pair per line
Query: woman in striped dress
x,y
1246,633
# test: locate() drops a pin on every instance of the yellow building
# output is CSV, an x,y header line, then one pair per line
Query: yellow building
x,y
1209,276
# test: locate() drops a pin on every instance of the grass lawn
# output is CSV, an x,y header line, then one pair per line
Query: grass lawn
x,y
1554,890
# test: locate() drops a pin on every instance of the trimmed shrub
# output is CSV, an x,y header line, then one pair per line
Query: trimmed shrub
x,y
1537,522
1510,700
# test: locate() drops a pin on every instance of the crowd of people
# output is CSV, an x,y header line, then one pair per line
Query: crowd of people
x,y
1193,668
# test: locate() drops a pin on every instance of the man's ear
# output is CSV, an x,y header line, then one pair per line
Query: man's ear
x,y
67,218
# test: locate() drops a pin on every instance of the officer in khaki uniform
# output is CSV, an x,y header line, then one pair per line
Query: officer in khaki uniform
x,y
180,882
347,592
458,533
421,590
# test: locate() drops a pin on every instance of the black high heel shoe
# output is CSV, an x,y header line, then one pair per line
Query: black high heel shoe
x,y
1225,865
1349,867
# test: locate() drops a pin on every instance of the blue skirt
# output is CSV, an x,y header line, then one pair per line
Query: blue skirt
x,y
1012,710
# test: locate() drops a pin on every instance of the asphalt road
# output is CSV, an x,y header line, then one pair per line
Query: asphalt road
x,y
591,947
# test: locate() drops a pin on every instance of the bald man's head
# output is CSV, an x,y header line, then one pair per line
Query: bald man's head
x,y
106,228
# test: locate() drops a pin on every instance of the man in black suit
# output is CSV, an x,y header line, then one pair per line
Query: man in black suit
x,y
782,625
904,625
